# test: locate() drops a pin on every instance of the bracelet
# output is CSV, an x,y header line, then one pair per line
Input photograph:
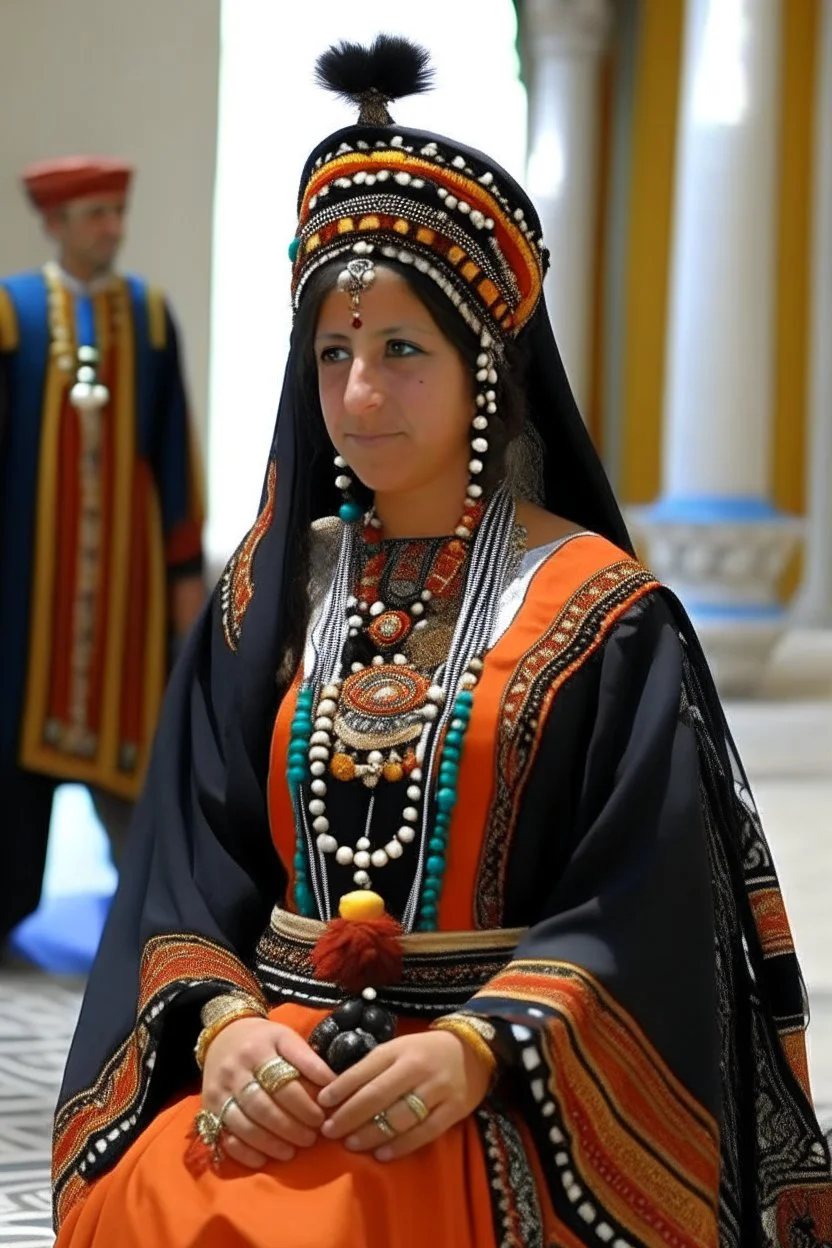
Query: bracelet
x,y
216,1015
474,1031
215,1009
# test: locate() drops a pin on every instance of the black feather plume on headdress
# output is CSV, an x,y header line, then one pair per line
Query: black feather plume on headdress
x,y
389,69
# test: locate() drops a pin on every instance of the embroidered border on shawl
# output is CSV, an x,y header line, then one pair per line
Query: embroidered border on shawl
x,y
518,1222
627,1147
574,635
772,923
105,1116
792,1172
237,582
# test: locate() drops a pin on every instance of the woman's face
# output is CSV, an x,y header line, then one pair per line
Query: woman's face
x,y
397,398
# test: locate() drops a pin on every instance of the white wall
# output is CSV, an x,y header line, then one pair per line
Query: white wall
x,y
130,79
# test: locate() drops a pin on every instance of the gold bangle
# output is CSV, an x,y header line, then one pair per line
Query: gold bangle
x,y
232,1012
476,1032
215,1009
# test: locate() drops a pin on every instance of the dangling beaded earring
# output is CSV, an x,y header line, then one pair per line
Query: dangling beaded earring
x,y
486,401
350,510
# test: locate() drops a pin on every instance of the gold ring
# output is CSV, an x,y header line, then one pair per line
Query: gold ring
x,y
384,1125
208,1127
226,1105
416,1105
275,1074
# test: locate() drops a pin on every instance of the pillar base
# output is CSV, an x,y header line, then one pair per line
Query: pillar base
x,y
724,559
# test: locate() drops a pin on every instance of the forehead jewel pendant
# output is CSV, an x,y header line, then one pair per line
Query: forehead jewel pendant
x,y
358,276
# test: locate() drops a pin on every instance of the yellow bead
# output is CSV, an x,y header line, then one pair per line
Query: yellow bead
x,y
362,904
392,772
342,767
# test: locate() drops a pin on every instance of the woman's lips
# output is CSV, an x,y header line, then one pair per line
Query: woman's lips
x,y
372,439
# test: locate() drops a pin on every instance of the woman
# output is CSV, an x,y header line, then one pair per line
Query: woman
x,y
518,972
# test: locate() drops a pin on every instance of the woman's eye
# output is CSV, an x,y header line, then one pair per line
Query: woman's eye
x,y
397,347
334,355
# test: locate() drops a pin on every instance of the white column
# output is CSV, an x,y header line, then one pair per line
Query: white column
x,y
715,535
814,602
564,41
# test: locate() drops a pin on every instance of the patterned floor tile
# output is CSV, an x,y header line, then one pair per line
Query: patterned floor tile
x,y
37,1018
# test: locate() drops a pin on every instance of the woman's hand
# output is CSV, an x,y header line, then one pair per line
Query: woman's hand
x,y
444,1072
258,1126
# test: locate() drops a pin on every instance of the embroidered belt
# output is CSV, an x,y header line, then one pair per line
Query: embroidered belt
x,y
442,970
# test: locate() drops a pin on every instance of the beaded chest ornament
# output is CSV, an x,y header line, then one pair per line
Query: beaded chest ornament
x,y
359,707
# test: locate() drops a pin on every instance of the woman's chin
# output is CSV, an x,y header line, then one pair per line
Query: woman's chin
x,y
389,482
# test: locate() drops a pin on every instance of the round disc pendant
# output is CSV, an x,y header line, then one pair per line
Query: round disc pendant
x,y
390,628
384,692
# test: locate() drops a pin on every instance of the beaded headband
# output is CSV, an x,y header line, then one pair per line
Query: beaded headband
x,y
379,192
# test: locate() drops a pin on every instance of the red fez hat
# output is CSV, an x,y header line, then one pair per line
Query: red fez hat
x,y
52,183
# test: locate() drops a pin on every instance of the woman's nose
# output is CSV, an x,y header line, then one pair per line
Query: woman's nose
x,y
362,393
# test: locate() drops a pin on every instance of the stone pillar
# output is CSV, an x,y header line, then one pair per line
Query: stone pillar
x,y
813,607
563,44
714,535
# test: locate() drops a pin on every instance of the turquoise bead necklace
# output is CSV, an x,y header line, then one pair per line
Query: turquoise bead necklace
x,y
298,774
446,798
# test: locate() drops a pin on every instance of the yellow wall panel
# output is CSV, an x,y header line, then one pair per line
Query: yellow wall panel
x,y
801,20
648,245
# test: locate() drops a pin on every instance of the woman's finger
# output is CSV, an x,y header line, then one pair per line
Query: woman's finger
x,y
295,1049
426,1132
397,1118
371,1098
263,1110
231,1147
296,1101
347,1084
238,1125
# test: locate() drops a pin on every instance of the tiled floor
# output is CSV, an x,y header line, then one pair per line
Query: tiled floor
x,y
37,1017
37,1013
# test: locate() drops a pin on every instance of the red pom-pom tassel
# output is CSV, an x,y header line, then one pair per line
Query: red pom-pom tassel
x,y
359,954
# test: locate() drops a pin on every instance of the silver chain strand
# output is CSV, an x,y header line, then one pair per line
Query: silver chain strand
x,y
322,663
474,626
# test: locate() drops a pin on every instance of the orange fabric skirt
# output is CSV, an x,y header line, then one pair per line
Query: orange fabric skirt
x,y
326,1197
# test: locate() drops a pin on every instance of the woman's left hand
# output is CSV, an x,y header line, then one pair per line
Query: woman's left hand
x,y
444,1072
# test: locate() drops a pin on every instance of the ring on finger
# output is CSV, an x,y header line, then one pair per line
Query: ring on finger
x,y
251,1086
384,1125
208,1127
275,1074
416,1106
226,1105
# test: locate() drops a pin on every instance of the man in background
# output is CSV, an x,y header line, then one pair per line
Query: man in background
x,y
100,521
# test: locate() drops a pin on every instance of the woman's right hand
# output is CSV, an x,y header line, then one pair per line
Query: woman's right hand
x,y
259,1126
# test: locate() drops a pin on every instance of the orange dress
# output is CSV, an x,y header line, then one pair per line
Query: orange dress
x,y
324,1196
601,1138
440,1195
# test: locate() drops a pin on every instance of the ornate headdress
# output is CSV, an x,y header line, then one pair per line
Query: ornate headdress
x,y
376,190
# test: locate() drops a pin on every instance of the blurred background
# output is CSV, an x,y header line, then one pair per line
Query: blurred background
x,y
680,153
